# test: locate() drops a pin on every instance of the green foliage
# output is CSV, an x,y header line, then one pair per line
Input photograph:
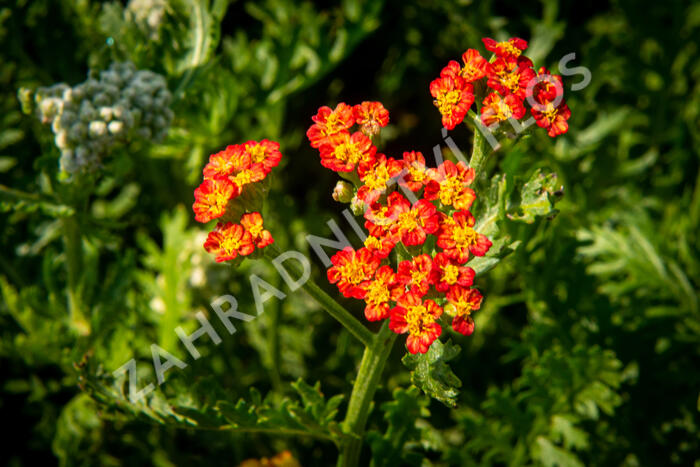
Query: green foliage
x,y
586,346
430,372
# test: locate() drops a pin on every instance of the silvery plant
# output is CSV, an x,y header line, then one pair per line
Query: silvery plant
x,y
111,108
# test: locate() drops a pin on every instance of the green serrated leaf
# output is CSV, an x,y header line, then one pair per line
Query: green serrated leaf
x,y
431,373
537,198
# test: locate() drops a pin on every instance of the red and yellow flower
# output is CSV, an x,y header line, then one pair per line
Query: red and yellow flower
x,y
510,49
415,172
380,246
265,152
415,274
475,66
379,291
328,122
375,174
252,222
511,77
553,119
379,220
343,151
229,240
447,273
450,183
412,224
496,109
371,116
418,318
351,269
458,238
453,98
251,174
462,301
212,197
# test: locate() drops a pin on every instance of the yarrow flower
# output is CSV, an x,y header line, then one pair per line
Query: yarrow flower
x,y
371,116
352,270
459,239
419,213
453,97
514,84
418,318
226,175
462,301
329,122
342,152
229,240
450,184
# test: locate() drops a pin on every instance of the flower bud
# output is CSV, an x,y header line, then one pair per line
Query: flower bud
x,y
343,192
97,128
357,206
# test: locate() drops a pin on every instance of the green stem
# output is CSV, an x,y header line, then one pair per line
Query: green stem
x,y
365,386
335,309
480,152
74,261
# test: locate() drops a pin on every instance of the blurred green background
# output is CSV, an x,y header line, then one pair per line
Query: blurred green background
x,y
587,349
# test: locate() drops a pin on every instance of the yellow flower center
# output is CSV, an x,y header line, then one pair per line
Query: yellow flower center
x,y
450,274
377,293
418,276
418,318
550,112
230,244
407,222
464,235
447,100
376,179
257,153
353,272
449,189
347,152
511,81
256,230
511,49
244,177
373,243
417,172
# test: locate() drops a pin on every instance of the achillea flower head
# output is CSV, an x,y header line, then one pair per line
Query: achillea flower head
x,y
418,318
352,270
342,152
371,116
328,122
462,301
227,241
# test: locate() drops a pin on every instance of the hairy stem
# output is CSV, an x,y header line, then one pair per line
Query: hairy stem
x,y
74,263
335,309
480,152
365,386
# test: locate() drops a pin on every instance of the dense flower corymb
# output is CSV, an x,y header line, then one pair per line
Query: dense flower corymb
x,y
226,175
513,82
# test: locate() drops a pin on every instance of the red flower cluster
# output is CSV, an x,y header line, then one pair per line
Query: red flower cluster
x,y
514,82
225,177
413,293
341,150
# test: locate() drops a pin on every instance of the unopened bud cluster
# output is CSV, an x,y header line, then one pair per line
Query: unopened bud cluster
x,y
149,15
110,108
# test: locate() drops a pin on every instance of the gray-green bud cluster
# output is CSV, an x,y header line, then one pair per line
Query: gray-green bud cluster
x,y
111,108
149,15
